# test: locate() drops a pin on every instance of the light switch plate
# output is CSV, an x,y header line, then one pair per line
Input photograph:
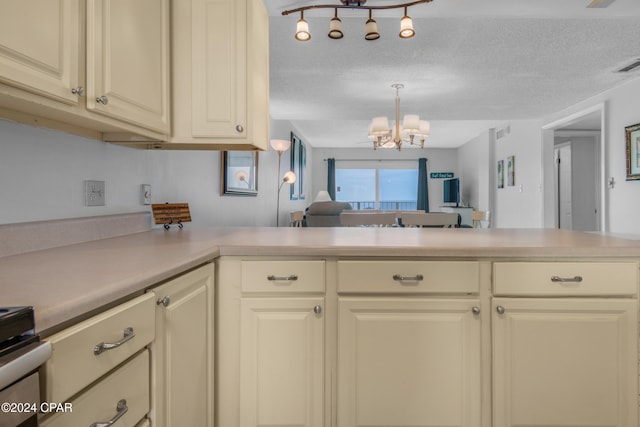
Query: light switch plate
x,y
145,194
94,193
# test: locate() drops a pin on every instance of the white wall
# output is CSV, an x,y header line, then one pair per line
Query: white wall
x,y
439,160
622,109
42,175
476,171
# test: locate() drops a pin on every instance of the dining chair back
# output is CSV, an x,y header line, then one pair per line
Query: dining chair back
x,y
429,219
371,219
481,219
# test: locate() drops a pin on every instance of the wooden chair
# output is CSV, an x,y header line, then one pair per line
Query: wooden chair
x,y
295,218
429,219
481,219
371,219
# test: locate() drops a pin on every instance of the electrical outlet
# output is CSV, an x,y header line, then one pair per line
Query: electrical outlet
x,y
94,193
145,194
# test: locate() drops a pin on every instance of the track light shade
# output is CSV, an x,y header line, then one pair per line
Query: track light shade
x,y
302,29
371,30
406,27
335,28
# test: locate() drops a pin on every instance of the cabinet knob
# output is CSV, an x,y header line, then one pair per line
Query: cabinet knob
x,y
78,91
102,100
500,309
164,301
317,309
475,310
239,129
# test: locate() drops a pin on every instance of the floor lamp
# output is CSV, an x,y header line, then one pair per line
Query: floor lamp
x,y
280,146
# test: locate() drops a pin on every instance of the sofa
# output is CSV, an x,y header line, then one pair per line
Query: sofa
x,y
325,213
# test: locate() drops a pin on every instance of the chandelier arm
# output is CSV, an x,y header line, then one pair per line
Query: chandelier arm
x,y
334,6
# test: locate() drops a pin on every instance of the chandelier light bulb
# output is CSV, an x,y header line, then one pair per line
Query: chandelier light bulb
x,y
302,29
406,26
335,27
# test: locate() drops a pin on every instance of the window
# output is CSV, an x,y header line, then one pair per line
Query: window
x,y
377,188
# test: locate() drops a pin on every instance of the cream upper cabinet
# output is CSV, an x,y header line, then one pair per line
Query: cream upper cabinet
x,y
128,61
565,362
408,362
220,72
39,47
183,351
282,363
98,68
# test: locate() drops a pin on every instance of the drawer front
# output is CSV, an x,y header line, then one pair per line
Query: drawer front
x,y
126,391
283,276
75,363
405,277
565,278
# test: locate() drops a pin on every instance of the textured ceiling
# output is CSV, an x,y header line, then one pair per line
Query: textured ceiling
x,y
471,66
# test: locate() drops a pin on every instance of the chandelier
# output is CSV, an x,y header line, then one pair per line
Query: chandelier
x,y
412,131
371,26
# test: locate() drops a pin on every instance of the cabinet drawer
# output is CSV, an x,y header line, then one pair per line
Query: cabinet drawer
x,y
402,277
565,278
74,363
282,276
103,401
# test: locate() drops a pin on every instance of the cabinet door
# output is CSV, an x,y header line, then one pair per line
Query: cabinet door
x,y
565,362
127,61
183,351
282,362
408,362
39,47
219,68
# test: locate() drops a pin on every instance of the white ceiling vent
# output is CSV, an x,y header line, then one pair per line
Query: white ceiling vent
x,y
631,67
501,133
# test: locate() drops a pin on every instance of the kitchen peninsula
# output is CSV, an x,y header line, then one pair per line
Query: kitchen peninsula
x,y
363,326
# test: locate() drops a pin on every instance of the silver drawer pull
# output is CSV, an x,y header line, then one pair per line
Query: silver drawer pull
x,y
288,278
401,278
122,409
575,279
128,334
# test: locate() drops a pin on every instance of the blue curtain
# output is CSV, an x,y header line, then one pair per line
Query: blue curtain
x,y
331,178
423,189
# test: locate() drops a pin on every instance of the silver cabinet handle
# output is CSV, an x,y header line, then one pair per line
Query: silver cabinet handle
x,y
500,309
128,335
78,91
475,310
102,100
575,279
239,128
165,301
317,309
401,278
289,278
121,409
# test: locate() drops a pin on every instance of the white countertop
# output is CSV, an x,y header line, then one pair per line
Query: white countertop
x,y
67,282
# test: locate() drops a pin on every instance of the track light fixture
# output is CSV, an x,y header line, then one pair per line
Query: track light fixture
x,y
371,26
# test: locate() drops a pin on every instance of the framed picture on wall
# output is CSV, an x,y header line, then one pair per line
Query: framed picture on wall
x,y
511,171
500,173
633,152
298,166
239,173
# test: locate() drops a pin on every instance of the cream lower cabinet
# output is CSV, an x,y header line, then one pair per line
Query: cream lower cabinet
x,y
565,362
408,362
183,352
282,362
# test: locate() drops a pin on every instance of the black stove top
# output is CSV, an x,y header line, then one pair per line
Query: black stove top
x,y
17,328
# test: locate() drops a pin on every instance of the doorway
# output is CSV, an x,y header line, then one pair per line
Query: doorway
x,y
573,172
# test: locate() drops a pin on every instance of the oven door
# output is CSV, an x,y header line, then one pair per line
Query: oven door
x,y
20,385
